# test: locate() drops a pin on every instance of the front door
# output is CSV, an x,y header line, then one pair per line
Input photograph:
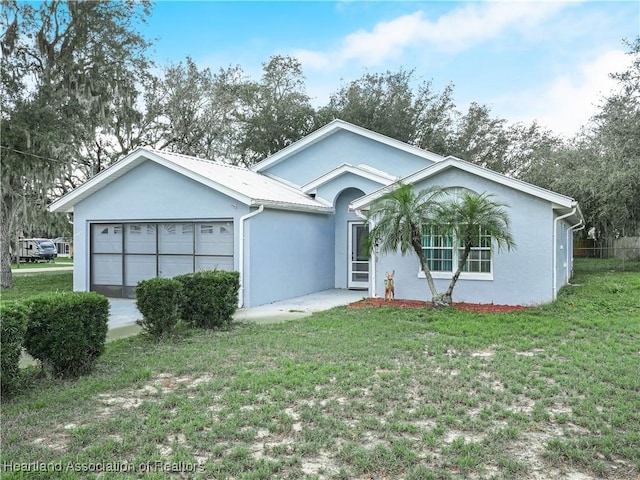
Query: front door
x,y
358,255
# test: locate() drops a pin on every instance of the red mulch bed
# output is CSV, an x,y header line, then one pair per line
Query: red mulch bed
x,y
469,307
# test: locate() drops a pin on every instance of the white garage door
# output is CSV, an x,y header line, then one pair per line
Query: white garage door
x,y
122,254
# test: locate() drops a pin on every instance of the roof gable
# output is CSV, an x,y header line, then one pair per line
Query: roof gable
x,y
239,183
556,199
363,171
330,129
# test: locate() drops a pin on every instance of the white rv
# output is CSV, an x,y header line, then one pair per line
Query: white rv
x,y
34,249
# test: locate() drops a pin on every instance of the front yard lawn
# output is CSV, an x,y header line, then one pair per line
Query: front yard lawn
x,y
550,392
28,285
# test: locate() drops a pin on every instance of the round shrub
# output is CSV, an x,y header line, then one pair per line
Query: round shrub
x,y
13,326
67,331
158,299
210,298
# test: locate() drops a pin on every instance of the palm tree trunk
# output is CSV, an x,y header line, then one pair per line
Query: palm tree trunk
x,y
416,242
446,297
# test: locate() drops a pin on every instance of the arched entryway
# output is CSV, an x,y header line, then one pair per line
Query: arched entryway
x,y
352,259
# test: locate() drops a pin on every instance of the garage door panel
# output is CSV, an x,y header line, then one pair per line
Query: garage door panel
x,y
106,238
107,269
214,238
140,238
175,238
138,268
172,265
214,263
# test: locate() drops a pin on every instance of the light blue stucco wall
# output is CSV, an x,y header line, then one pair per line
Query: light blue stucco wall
x,y
340,192
149,192
343,217
523,276
345,147
288,254
564,252
330,190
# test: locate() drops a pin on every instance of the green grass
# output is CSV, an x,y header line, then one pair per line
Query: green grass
x,y
375,393
608,264
31,284
57,262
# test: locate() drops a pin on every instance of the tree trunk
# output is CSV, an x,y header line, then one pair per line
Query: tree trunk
x,y
416,241
6,277
448,294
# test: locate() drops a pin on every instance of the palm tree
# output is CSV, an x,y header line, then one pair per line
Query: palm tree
x,y
470,217
398,217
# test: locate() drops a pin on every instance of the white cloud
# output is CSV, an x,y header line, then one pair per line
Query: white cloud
x,y
567,102
387,40
455,31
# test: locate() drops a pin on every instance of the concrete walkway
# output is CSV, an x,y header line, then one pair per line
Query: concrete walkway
x,y
125,313
41,270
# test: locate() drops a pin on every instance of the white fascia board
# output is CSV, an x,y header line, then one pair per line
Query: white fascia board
x,y
577,216
333,127
365,200
341,170
376,171
296,207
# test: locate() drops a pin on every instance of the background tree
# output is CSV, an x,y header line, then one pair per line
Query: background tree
x,y
69,69
390,104
195,112
276,111
383,103
600,167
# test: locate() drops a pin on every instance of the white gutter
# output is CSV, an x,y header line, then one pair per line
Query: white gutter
x,y
572,229
241,252
555,249
372,261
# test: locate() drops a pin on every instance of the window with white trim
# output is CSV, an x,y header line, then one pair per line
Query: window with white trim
x,y
438,247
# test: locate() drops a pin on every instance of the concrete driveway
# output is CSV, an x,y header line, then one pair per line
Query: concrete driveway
x,y
125,313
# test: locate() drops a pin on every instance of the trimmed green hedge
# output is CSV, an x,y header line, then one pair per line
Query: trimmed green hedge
x,y
13,326
209,298
67,331
158,299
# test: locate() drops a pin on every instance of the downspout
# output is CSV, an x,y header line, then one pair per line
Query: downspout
x,y
241,252
555,250
372,288
573,229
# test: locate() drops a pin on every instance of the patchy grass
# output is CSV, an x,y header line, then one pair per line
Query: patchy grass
x,y
28,285
546,393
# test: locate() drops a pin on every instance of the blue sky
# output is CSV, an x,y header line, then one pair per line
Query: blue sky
x,y
545,61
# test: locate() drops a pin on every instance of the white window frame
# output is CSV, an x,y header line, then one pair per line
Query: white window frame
x,y
447,275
